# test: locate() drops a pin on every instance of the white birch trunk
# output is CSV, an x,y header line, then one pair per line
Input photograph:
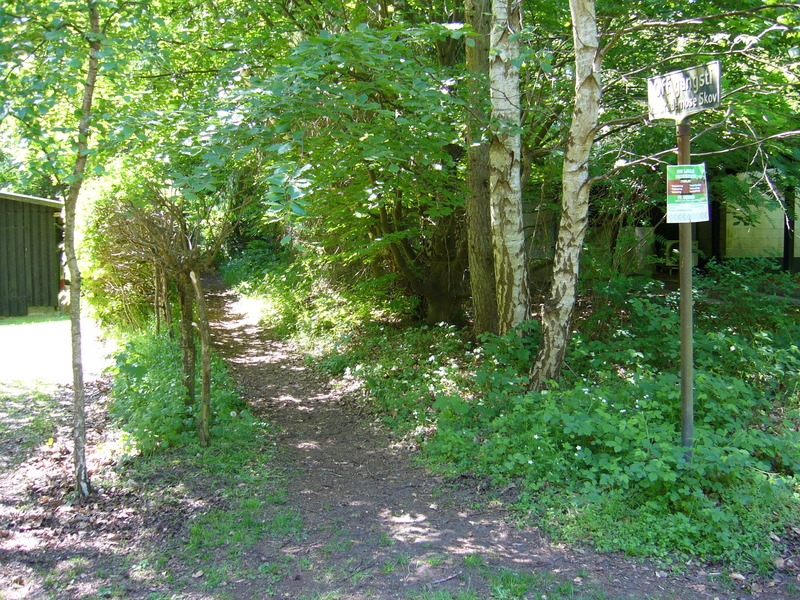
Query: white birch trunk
x,y
557,315
505,153
204,420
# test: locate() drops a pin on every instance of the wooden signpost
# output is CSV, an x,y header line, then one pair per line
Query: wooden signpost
x,y
677,96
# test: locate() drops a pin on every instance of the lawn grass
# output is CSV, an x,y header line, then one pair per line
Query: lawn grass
x,y
46,317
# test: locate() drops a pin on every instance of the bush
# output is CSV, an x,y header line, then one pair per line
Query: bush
x,y
248,267
148,397
303,300
117,283
748,294
614,448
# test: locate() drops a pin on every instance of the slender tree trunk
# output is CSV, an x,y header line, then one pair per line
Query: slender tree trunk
x,y
558,311
789,195
165,298
188,346
204,422
505,154
479,220
82,483
157,275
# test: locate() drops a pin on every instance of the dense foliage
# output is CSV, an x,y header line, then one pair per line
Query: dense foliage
x,y
346,124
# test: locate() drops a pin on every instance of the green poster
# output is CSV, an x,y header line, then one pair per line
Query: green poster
x,y
687,194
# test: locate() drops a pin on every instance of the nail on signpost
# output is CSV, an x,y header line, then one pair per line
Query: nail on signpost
x,y
677,96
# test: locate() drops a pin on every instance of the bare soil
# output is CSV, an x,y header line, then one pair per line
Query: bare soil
x,y
375,524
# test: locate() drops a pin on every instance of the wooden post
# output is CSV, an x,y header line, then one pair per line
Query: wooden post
x,y
684,131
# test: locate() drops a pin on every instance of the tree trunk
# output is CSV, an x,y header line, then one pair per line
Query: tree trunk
x,y
161,300
438,276
204,421
558,311
505,154
479,223
82,483
188,346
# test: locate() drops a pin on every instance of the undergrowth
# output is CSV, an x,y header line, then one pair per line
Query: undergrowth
x,y
300,299
597,456
148,397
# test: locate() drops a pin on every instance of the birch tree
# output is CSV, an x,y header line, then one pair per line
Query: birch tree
x,y
558,311
505,166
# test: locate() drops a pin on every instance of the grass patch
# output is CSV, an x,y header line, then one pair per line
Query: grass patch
x,y
209,548
35,318
508,584
26,417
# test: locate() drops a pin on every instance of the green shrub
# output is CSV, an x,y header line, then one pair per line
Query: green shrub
x,y
304,299
149,397
748,294
614,448
600,455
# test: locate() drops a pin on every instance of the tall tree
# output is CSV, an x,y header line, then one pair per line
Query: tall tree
x,y
479,223
505,166
51,53
558,311
40,42
93,38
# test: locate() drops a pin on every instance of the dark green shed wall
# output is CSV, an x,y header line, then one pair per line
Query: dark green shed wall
x,y
30,262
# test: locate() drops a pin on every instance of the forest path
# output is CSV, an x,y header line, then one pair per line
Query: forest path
x,y
376,525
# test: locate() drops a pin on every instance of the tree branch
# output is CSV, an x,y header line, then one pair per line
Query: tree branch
x,y
617,35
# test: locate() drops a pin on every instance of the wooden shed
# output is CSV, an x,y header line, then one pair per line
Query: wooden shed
x,y
30,254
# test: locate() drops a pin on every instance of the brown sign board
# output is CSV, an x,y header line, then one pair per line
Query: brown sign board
x,y
679,94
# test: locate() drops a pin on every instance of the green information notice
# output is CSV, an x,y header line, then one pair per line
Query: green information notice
x,y
687,194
